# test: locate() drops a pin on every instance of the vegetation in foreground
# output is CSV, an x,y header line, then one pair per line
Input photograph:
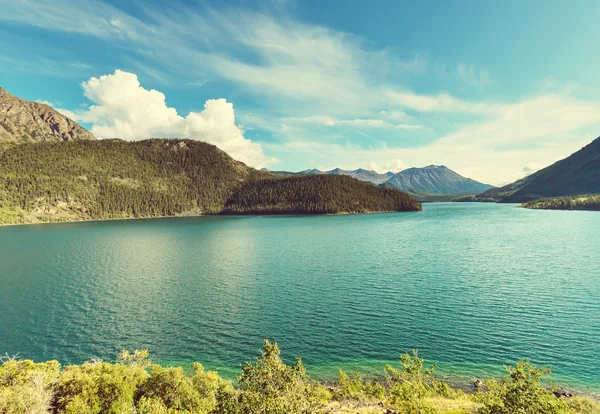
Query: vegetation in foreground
x,y
267,386
575,202
113,179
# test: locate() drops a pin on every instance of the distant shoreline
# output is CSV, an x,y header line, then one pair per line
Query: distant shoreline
x,y
200,215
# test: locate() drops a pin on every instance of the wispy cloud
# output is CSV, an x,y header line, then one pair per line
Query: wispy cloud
x,y
198,83
303,79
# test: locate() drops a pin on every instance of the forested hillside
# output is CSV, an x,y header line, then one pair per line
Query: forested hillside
x,y
577,174
61,181
576,202
107,179
316,194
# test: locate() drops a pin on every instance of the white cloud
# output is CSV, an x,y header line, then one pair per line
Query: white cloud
x,y
394,166
442,102
533,132
356,122
471,75
409,127
41,101
304,77
124,109
198,83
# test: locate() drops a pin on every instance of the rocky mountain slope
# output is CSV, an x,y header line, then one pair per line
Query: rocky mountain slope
x,y
23,121
576,174
435,179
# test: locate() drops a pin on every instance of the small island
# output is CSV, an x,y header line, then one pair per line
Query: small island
x,y
574,202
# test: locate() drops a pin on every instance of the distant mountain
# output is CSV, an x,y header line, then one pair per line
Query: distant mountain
x,y
23,121
576,174
434,179
360,174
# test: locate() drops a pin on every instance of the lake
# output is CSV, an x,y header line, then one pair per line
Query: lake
x,y
472,286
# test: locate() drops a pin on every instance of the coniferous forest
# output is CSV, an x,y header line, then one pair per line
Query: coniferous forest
x,y
111,179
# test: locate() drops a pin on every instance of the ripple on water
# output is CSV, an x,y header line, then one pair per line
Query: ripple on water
x,y
473,286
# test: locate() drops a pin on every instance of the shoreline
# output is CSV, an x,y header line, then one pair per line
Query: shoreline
x,y
202,215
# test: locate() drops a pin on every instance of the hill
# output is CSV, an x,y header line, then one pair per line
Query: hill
x,y
576,174
23,121
435,179
108,179
320,194
576,202
360,174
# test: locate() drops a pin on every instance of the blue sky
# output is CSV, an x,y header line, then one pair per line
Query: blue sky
x,y
493,90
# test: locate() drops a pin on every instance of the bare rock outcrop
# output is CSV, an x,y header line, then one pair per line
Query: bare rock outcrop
x,y
23,121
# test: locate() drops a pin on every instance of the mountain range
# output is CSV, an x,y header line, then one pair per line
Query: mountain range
x,y
430,180
360,174
577,174
435,179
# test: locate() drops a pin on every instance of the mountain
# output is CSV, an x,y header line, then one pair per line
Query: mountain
x,y
576,174
108,179
23,121
360,174
435,179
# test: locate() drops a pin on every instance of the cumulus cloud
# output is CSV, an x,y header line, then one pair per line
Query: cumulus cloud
x,y
124,109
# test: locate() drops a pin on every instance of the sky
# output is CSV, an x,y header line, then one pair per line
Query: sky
x,y
494,90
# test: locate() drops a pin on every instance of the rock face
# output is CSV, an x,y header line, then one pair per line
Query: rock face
x,y
23,121
435,179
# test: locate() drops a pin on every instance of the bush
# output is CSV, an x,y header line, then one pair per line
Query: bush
x,y
411,385
98,387
356,388
521,392
583,405
270,386
26,386
172,390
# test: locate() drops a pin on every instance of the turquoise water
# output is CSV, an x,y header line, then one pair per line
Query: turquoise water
x,y
473,286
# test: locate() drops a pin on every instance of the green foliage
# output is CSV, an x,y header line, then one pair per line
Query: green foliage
x,y
26,386
355,388
575,202
582,405
109,179
98,387
266,386
270,386
412,385
316,194
521,392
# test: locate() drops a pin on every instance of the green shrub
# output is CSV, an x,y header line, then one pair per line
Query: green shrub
x,y
270,386
521,392
26,386
582,405
355,388
411,385
101,387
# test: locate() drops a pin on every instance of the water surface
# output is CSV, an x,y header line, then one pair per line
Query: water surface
x,y
473,286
